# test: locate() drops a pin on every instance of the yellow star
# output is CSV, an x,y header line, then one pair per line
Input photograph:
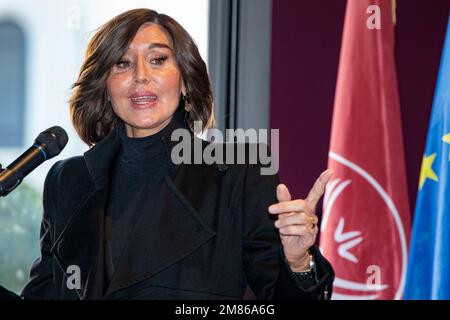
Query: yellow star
x,y
426,172
446,138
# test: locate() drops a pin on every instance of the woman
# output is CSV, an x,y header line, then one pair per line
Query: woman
x,y
129,223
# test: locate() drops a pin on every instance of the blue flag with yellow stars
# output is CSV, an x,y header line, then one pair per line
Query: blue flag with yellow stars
x,y
428,275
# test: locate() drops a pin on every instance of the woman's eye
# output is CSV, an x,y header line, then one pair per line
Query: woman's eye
x,y
122,64
159,60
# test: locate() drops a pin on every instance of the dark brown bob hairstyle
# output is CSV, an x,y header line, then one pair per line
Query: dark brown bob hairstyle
x,y
91,112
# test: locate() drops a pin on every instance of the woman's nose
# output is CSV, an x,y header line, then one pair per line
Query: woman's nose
x,y
142,72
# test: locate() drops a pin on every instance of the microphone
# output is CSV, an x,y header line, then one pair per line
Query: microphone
x,y
48,144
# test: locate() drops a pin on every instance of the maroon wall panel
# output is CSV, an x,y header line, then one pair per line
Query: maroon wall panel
x,y
306,39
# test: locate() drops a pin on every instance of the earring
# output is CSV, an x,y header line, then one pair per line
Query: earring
x,y
187,105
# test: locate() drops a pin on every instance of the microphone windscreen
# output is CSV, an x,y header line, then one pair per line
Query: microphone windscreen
x,y
53,139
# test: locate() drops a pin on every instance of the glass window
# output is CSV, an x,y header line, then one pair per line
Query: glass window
x,y
12,88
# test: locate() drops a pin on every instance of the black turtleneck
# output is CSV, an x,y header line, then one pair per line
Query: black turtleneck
x,y
136,177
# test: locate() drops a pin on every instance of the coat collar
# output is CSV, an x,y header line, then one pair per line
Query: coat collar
x,y
81,242
100,157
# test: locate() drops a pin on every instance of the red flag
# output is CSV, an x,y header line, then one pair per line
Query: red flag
x,y
366,220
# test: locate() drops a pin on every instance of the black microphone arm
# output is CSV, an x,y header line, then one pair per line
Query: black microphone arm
x,y
48,144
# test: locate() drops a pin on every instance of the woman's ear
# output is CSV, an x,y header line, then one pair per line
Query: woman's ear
x,y
183,88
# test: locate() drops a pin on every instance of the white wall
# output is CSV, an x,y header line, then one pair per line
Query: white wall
x,y
57,32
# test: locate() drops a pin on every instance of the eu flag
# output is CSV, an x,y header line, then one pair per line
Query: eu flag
x,y
428,274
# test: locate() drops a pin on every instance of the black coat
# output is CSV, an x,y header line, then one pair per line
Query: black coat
x,y
215,236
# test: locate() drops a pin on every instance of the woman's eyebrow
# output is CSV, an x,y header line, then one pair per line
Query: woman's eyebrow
x,y
159,45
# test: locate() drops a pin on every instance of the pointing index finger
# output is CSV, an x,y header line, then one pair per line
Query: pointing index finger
x,y
318,188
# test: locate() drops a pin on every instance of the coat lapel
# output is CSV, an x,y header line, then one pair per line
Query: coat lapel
x,y
81,241
178,231
81,245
